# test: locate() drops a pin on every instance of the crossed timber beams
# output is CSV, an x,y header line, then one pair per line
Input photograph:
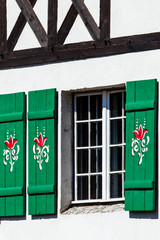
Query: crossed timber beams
x,y
52,44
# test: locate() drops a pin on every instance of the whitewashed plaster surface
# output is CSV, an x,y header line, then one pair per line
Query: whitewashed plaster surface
x,y
77,75
127,17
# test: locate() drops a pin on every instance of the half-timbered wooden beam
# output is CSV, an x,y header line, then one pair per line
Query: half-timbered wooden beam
x,y
52,22
105,8
17,29
76,51
87,19
67,24
33,21
3,27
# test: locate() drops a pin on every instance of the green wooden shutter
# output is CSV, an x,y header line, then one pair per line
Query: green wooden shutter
x,y
12,154
141,108
42,152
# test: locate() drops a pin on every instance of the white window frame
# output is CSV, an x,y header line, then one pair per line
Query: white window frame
x,y
105,147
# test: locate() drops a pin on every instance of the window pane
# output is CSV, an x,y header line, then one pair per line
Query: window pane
x,y
82,161
124,130
96,106
116,131
116,185
124,102
116,158
116,104
82,108
96,187
82,188
96,133
96,160
124,149
82,134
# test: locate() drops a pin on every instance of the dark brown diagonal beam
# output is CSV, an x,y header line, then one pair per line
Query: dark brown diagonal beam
x,y
3,26
33,21
87,19
17,29
67,24
52,22
105,8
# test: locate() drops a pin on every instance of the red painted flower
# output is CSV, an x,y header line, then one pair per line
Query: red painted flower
x,y
10,144
140,133
40,140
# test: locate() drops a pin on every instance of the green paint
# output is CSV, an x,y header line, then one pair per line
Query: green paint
x,y
42,166
12,176
141,108
40,189
12,191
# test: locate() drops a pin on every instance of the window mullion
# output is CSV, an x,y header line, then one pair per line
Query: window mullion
x,y
75,152
123,140
89,154
108,143
104,145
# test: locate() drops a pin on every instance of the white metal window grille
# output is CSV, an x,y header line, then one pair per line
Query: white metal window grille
x,y
99,146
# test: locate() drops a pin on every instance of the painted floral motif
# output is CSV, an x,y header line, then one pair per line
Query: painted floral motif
x,y
11,154
11,143
40,140
140,133
139,144
41,151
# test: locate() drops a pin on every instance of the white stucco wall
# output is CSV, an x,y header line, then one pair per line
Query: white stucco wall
x,y
99,72
77,75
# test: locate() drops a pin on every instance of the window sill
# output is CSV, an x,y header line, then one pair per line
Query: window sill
x,y
98,201
98,208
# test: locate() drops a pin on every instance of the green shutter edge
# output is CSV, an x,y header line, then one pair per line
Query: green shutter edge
x,y
12,191
139,184
140,105
41,114
41,189
10,117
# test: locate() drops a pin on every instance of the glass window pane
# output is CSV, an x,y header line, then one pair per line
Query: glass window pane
x,y
96,106
96,133
115,185
82,188
116,131
116,104
96,187
124,149
124,130
82,134
82,108
124,102
96,160
116,158
82,161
